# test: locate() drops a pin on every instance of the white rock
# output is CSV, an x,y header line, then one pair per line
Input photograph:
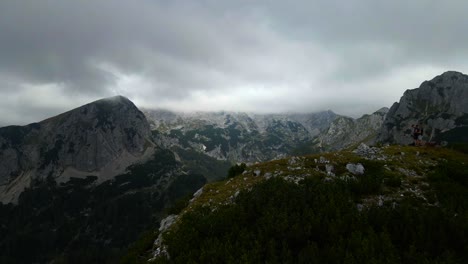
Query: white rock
x,y
167,222
198,193
323,160
360,207
355,168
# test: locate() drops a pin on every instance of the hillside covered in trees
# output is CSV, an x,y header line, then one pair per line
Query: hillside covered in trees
x,y
372,205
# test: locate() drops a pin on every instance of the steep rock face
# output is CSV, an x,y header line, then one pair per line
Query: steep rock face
x,y
100,138
439,105
344,131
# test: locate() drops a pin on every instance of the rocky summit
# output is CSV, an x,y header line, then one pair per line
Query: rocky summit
x,y
440,106
101,138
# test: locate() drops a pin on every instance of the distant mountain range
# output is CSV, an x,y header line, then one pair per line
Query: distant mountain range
x,y
95,177
243,137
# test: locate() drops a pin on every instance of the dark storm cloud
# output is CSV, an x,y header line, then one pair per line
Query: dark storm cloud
x,y
382,34
236,55
177,44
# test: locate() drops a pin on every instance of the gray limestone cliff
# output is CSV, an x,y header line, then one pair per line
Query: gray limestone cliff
x,y
345,131
440,106
101,138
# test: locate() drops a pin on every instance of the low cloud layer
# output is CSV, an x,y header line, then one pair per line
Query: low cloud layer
x,y
261,56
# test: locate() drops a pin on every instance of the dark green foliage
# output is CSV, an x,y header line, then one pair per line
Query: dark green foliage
x,y
451,182
371,181
136,252
456,135
462,147
317,222
462,120
79,222
306,148
185,184
236,170
200,163
392,181
179,205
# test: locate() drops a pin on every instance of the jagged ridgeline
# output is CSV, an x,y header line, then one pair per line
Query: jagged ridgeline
x,y
373,205
243,137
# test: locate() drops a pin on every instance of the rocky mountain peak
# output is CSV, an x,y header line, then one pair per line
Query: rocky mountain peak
x,y
383,110
439,105
100,138
450,76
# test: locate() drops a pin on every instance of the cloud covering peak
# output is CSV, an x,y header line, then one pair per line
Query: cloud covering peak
x,y
263,56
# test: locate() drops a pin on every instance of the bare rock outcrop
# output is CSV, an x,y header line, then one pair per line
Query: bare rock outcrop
x,y
439,105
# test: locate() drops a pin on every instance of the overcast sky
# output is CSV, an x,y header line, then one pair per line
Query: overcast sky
x,y
352,57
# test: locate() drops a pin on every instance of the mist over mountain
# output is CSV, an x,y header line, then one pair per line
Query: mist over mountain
x,y
233,131
87,183
362,204
245,137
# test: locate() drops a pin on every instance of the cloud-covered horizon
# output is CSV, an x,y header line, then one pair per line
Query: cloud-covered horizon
x,y
352,57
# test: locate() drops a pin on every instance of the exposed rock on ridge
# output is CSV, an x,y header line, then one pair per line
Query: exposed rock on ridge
x,y
345,131
440,105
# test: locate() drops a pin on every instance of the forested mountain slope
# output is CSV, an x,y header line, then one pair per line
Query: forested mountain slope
x,y
391,204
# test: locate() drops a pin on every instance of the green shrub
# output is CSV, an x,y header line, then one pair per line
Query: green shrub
x,y
392,181
236,170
